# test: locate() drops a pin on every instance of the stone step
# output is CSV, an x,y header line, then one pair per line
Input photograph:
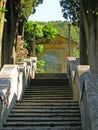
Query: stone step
x,y
44,128
47,93
48,89
46,101
45,107
47,98
59,87
43,123
19,103
50,75
49,82
49,110
47,114
30,119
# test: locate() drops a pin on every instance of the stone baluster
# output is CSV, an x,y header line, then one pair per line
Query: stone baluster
x,y
71,71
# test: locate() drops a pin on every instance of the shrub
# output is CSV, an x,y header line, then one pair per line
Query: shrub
x,y
21,51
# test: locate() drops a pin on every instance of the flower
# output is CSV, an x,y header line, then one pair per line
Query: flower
x,y
21,52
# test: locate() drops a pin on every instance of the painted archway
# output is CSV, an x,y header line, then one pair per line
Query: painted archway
x,y
53,63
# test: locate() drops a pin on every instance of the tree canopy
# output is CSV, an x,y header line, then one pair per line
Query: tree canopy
x,y
47,31
26,7
87,13
62,28
71,10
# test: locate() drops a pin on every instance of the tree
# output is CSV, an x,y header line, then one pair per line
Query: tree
x,y
47,32
71,10
29,33
18,12
24,10
62,28
90,20
88,28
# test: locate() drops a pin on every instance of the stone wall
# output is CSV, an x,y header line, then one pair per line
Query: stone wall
x,y
85,90
13,80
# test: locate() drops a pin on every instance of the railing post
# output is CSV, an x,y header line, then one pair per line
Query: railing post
x,y
33,66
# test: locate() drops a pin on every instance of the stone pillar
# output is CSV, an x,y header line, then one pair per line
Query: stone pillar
x,y
91,88
20,85
33,66
8,89
71,70
27,60
22,68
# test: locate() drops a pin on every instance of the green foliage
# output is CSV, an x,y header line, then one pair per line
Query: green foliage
x,y
77,52
29,30
39,48
26,7
29,33
49,32
25,44
3,10
46,31
62,28
40,65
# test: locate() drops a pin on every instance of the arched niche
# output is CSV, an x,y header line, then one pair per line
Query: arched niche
x,y
53,62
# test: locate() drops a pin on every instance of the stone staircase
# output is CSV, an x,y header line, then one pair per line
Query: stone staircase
x,y
46,104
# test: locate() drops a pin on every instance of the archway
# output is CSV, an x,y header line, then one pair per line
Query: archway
x,y
52,62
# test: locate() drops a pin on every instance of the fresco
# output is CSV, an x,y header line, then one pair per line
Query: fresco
x,y
52,62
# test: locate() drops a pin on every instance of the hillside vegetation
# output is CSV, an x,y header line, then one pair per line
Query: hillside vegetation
x,y
62,27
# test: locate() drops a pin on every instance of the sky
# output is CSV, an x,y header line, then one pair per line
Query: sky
x,y
50,10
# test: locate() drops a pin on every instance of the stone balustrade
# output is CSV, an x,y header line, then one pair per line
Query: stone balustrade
x,y
85,90
13,80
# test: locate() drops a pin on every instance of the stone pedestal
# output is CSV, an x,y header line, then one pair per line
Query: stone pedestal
x,y
8,89
22,68
91,102
10,73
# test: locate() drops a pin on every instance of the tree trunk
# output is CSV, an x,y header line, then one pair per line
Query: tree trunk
x,y
90,20
2,15
9,34
93,30
83,47
20,28
83,44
